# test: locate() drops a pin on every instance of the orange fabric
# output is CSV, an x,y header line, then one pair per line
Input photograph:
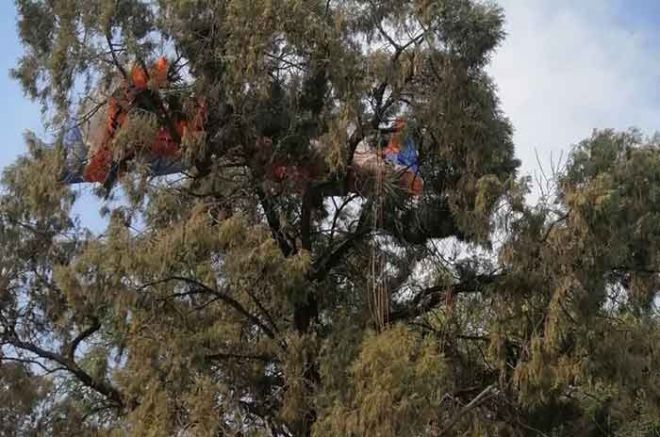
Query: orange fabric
x,y
113,110
411,182
394,145
159,73
297,176
116,115
164,145
181,128
139,78
280,172
98,167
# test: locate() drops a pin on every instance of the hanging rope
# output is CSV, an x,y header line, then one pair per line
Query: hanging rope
x,y
379,299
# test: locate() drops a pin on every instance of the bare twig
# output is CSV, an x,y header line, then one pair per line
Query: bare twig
x,y
115,59
225,355
471,405
236,305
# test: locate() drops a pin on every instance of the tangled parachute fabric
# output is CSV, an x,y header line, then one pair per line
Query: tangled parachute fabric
x,y
92,158
401,158
88,145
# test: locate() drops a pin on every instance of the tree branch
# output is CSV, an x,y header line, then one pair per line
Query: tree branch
x,y
274,223
264,311
225,355
236,305
86,379
472,404
431,297
379,92
306,215
327,262
429,220
115,60
32,363
95,326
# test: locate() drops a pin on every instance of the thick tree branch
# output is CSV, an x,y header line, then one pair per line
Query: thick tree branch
x,y
101,387
430,298
94,327
306,215
260,306
552,226
338,210
273,220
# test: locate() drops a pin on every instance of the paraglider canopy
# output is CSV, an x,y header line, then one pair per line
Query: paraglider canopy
x,y
399,158
89,146
91,157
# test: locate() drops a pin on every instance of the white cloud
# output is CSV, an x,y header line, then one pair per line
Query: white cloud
x,y
568,67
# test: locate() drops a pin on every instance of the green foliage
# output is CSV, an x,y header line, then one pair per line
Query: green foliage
x,y
218,303
395,387
20,396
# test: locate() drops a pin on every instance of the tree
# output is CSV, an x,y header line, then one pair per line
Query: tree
x,y
214,304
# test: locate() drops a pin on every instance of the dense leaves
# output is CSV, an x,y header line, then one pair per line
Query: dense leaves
x,y
219,303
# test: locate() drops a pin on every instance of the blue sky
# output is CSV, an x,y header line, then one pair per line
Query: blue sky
x,y
566,68
569,66
17,113
638,13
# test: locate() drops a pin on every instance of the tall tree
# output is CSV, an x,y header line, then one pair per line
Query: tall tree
x,y
215,303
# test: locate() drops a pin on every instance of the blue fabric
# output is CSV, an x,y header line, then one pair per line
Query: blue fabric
x,y
75,154
72,177
407,156
72,136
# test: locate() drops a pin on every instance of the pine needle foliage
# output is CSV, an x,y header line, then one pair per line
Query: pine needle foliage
x,y
219,303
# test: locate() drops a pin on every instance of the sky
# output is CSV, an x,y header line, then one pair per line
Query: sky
x,y
565,68
568,67
17,114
